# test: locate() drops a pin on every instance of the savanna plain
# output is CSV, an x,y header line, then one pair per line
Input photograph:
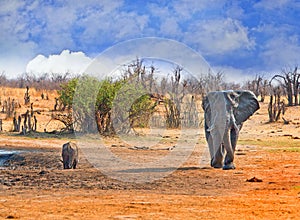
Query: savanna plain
x,y
264,185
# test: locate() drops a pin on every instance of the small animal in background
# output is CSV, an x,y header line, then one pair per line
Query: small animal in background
x,y
69,155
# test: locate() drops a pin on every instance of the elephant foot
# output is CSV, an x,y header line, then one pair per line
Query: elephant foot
x,y
216,165
229,166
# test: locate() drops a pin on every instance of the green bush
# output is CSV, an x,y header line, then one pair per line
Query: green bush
x,y
107,106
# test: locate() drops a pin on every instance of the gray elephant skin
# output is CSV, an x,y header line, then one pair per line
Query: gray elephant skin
x,y
224,114
70,155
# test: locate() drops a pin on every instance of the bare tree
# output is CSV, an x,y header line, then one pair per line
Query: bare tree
x,y
174,101
290,80
264,90
214,82
45,81
3,79
259,86
276,105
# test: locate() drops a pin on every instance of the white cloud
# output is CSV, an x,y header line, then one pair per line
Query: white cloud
x,y
233,75
186,8
53,26
169,27
217,28
235,11
12,67
219,36
9,6
73,62
236,75
14,31
281,51
109,25
28,29
271,5
201,25
164,50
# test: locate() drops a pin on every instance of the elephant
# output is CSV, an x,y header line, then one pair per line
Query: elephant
x,y
224,114
70,155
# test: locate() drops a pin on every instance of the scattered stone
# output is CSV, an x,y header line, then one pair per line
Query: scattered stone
x,y
139,148
240,153
165,148
43,172
293,137
171,148
286,122
7,184
118,145
254,180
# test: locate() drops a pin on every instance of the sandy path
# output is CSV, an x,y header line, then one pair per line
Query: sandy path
x,y
190,192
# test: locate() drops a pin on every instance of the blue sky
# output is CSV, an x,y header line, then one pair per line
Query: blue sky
x,y
240,38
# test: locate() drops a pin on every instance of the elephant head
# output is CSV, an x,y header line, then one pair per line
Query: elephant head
x,y
224,114
70,155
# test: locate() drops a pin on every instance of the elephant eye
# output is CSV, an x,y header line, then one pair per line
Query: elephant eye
x,y
232,96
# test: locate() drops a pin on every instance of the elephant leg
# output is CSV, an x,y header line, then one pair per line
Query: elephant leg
x,y
74,164
217,159
234,135
228,163
216,150
66,161
216,153
216,156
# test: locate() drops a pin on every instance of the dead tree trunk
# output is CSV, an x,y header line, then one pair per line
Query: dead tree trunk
x,y
25,125
3,107
19,123
34,123
173,104
29,122
263,90
31,110
15,124
276,105
27,96
56,104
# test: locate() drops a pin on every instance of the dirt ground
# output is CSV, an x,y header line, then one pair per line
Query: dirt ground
x,y
264,185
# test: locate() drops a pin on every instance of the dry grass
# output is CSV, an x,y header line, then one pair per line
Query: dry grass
x,y
43,106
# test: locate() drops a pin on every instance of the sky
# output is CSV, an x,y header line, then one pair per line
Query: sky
x,y
238,38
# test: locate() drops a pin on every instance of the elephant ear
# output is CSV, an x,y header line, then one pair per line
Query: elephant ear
x,y
205,104
248,104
